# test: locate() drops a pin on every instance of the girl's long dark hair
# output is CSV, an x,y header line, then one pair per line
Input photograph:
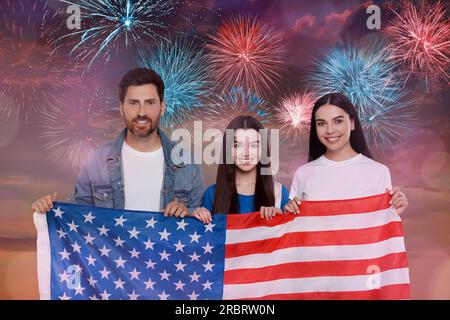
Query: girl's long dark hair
x,y
226,198
357,138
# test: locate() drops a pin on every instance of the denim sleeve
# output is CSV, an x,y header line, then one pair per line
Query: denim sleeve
x,y
198,188
82,193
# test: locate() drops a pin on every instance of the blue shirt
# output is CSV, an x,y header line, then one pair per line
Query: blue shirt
x,y
246,203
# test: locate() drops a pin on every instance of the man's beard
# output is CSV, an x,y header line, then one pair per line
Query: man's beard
x,y
133,127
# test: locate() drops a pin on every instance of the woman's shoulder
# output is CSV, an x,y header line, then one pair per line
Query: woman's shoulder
x,y
211,189
307,166
375,165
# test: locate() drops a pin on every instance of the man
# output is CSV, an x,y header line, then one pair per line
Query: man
x,y
137,172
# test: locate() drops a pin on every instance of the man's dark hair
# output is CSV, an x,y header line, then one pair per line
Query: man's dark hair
x,y
138,77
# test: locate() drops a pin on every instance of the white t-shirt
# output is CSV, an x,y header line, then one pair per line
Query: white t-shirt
x,y
143,174
325,179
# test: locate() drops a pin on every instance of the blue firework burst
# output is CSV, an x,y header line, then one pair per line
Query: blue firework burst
x,y
181,66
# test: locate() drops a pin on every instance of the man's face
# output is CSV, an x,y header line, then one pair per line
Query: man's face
x,y
142,109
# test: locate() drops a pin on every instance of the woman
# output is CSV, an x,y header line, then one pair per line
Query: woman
x,y
241,186
340,164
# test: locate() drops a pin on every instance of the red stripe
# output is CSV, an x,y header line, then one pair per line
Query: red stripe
x,y
315,269
350,206
391,292
316,238
312,208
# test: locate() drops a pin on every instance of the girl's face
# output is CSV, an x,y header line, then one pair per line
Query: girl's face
x,y
246,150
333,127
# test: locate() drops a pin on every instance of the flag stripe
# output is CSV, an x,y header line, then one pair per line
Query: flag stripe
x,y
316,269
323,253
315,284
390,292
313,208
316,238
306,224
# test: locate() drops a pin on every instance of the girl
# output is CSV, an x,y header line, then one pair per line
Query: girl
x,y
340,164
241,187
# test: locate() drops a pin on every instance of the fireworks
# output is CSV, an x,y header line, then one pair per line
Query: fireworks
x,y
294,114
181,66
73,130
114,25
420,42
367,77
247,53
227,106
28,74
382,126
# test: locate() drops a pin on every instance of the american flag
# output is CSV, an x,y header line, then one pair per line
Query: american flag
x,y
347,249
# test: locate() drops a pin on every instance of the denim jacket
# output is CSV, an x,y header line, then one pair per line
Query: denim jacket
x,y
100,182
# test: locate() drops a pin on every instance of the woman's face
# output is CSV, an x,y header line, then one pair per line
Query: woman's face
x,y
333,127
246,150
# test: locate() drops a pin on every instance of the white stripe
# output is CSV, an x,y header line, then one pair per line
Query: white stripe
x,y
319,223
317,284
319,253
43,255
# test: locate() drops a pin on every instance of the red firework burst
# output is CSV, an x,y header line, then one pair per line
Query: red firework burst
x,y
294,114
247,53
29,74
420,42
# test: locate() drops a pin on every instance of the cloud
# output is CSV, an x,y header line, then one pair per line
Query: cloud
x,y
15,181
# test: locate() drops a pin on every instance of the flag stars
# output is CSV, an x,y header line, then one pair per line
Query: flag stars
x,y
105,295
104,251
149,244
91,260
194,257
163,296
134,253
73,226
207,285
179,246
120,221
64,254
103,230
150,264
194,237
164,235
164,275
58,212
194,277
119,242
133,233
164,255
133,296
134,274
179,285
105,273
208,248
208,266
64,276
89,239
182,225
120,262
209,227
119,284
193,296
151,223
88,217
180,266
76,247
64,297
92,282
79,290
61,233
149,284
